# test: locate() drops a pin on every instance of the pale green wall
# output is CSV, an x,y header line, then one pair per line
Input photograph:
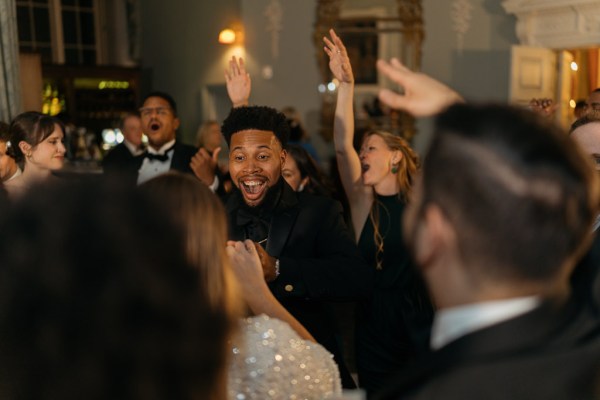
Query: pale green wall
x,y
481,70
295,76
180,47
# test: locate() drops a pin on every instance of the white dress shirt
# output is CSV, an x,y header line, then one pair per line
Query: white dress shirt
x,y
152,168
17,173
452,323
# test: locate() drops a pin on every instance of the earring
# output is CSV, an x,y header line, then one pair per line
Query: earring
x,y
395,168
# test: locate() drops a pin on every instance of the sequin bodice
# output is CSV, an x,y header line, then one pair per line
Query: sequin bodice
x,y
270,361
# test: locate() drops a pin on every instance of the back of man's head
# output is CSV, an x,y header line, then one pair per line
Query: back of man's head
x,y
519,194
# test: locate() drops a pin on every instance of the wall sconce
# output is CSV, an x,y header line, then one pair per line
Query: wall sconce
x,y
227,36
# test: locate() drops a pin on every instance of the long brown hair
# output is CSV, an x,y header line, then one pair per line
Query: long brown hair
x,y
202,216
406,169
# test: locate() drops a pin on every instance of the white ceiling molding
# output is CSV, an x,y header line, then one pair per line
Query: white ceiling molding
x,y
556,24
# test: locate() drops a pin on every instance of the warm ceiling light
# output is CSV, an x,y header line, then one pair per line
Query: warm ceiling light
x,y
227,36
574,66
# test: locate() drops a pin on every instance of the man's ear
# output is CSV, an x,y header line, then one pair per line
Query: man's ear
x,y
283,157
176,123
436,237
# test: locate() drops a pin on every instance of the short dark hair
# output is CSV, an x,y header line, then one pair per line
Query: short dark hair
x,y
256,117
591,116
4,132
31,127
165,96
97,300
520,194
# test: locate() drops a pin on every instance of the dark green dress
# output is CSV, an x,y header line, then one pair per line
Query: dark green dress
x,y
394,324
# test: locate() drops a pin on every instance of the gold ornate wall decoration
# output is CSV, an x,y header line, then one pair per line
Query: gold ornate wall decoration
x,y
274,14
461,20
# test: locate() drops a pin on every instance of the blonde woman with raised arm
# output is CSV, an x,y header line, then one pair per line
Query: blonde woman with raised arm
x,y
394,323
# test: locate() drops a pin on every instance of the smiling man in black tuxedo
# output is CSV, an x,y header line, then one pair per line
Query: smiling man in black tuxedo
x,y
307,252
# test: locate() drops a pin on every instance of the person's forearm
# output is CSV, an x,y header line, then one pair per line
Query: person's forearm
x,y
265,303
343,125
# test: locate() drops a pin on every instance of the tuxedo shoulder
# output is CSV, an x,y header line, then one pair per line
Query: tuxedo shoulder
x,y
185,147
321,202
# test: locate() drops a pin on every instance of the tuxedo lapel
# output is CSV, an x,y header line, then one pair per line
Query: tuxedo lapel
x,y
283,221
233,203
279,231
176,161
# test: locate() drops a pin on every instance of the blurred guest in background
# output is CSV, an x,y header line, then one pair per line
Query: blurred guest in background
x,y
120,158
211,160
302,172
9,169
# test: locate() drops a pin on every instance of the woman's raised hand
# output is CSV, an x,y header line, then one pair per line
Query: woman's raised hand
x,y
423,96
339,63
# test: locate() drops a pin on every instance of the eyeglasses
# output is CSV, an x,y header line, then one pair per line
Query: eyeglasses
x,y
162,111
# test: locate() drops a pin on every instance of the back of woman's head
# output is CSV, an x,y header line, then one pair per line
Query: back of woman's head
x,y
409,163
201,216
98,301
32,128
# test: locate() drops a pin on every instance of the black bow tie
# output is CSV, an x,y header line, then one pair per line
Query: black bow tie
x,y
256,228
158,157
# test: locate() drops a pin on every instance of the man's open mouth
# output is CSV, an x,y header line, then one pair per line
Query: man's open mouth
x,y
154,126
365,167
254,188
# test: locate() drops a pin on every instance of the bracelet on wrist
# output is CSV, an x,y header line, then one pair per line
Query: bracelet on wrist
x,y
276,268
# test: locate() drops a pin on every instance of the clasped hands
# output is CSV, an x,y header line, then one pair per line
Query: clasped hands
x,y
251,263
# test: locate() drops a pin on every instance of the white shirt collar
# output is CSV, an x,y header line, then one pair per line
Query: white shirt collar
x,y
452,323
163,148
17,173
133,149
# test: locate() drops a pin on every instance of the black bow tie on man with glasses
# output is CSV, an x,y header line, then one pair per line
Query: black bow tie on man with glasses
x,y
159,157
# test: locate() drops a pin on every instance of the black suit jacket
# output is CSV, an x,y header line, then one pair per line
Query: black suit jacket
x,y
550,353
182,156
118,158
585,281
318,257
319,260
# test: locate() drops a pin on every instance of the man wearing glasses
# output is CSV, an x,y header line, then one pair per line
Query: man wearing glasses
x,y
159,123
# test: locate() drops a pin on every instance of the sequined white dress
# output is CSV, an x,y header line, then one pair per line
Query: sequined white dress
x,y
270,361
